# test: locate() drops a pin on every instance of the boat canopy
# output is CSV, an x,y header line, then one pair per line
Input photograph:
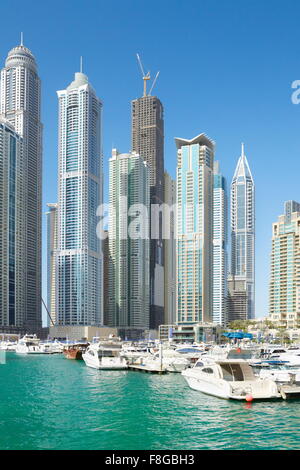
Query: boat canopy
x,y
237,335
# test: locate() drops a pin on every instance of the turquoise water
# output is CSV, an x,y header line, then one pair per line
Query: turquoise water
x,y
49,402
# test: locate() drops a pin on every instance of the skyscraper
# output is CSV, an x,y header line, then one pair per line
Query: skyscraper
x,y
79,258
243,236
51,261
195,159
284,294
12,233
170,251
20,104
219,248
147,140
128,241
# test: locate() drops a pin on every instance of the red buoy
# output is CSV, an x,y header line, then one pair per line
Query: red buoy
x,y
249,398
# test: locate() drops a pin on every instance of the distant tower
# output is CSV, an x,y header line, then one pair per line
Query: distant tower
x,y
51,261
170,252
147,139
195,160
79,258
243,238
20,104
219,248
128,252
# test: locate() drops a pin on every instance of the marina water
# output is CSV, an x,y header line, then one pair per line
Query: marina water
x,y
49,402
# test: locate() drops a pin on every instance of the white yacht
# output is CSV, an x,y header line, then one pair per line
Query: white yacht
x,y
104,355
230,378
29,344
171,361
51,347
280,373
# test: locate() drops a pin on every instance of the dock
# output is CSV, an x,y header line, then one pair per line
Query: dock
x,y
143,368
289,391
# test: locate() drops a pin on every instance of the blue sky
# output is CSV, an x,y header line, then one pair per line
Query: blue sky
x,y
226,69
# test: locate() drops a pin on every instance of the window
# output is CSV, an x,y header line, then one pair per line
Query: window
x,y
232,372
208,370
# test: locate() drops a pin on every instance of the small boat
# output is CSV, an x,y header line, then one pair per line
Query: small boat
x,y
105,356
75,350
230,379
29,344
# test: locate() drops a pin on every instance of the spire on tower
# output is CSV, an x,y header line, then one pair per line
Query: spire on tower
x,y
81,64
243,154
21,44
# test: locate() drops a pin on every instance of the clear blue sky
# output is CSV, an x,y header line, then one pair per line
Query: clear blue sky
x,y
226,69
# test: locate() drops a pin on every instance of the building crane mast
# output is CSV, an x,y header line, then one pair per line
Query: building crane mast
x,y
146,77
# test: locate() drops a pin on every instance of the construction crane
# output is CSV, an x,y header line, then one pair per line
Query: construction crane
x,y
146,77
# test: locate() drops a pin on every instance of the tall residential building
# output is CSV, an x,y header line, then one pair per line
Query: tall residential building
x,y
51,262
147,139
128,241
284,294
289,208
20,104
79,258
242,238
219,248
170,251
195,159
12,233
105,250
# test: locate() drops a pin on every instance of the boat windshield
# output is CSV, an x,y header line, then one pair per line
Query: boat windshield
x,y
240,354
232,372
107,353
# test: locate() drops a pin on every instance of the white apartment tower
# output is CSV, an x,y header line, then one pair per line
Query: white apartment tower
x,y
219,247
20,105
79,257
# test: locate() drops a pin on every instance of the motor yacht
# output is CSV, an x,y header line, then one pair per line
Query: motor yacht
x,y
230,379
104,355
29,344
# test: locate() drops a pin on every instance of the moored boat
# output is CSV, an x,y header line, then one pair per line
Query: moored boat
x,y
230,379
75,350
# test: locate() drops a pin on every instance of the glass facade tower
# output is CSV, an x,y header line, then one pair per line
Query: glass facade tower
x,y
79,257
12,233
129,247
194,229
243,232
219,248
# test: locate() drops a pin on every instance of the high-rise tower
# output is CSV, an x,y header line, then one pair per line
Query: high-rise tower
x,y
147,139
128,295
284,306
20,104
219,247
195,159
51,262
79,257
242,277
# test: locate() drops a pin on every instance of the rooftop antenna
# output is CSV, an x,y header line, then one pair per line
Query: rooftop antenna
x,y
242,149
21,39
145,76
81,64
154,81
